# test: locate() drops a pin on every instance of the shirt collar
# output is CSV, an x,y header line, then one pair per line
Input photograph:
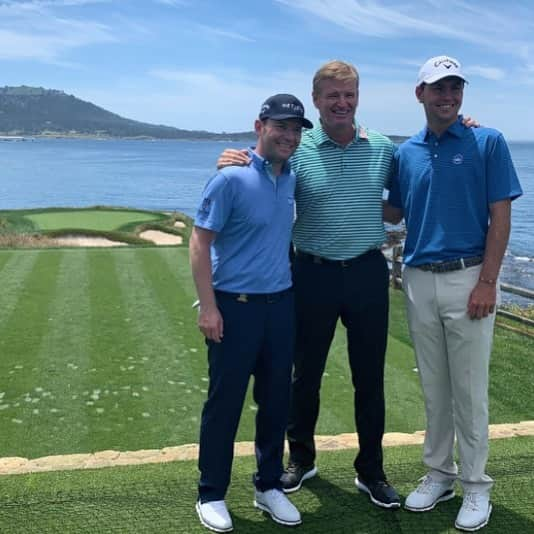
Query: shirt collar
x,y
263,164
320,137
456,129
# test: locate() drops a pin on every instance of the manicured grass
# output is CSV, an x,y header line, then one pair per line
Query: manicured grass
x,y
100,350
100,219
160,498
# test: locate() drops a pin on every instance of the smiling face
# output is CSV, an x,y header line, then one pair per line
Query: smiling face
x,y
336,101
442,101
277,140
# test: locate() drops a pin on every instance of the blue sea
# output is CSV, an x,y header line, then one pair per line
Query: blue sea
x,y
170,175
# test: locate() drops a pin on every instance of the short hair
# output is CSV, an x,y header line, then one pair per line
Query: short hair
x,y
335,70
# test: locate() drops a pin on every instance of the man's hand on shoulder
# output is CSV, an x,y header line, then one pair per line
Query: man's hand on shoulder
x,y
232,156
469,122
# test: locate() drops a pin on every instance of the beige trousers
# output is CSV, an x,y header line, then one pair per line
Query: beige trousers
x,y
452,353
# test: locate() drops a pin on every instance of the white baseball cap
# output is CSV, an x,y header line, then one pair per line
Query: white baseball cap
x,y
440,67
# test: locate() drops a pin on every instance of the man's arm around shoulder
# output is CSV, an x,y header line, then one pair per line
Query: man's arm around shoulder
x,y
210,320
391,214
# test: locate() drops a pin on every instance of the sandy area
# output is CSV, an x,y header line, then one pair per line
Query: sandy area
x,y
179,224
161,238
158,238
86,241
17,465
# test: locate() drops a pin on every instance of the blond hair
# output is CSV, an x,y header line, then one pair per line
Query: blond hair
x,y
335,70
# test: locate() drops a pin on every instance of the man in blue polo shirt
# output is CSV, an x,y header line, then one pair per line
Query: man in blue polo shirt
x,y
454,185
239,257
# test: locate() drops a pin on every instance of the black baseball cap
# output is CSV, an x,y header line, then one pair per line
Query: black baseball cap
x,y
282,106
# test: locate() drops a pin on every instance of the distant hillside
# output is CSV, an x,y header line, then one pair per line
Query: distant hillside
x,y
37,111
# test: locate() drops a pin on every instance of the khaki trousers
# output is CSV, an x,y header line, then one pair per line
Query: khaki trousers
x,y
452,353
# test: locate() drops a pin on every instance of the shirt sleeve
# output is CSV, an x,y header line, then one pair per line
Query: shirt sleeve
x,y
215,205
502,180
389,178
394,196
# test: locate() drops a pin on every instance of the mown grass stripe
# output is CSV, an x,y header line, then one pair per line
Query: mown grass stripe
x,y
511,377
20,365
115,377
152,295
5,256
59,421
16,268
177,260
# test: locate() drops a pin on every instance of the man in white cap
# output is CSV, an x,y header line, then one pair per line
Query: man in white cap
x,y
454,186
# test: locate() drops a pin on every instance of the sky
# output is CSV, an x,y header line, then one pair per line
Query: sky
x,y
209,64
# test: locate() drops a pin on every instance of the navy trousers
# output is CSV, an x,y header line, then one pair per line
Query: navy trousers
x,y
259,337
356,292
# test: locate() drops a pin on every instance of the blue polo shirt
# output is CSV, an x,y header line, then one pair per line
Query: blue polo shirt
x,y
445,186
252,212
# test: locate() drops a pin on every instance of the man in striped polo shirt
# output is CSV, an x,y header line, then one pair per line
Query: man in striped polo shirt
x,y
339,273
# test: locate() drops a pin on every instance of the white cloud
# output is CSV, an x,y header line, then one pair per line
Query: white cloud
x,y
172,3
508,30
490,73
31,30
218,32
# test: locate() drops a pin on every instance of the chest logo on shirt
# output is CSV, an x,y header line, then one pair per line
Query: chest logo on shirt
x,y
458,159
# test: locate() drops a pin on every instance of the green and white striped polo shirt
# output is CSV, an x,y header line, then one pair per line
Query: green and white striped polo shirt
x,y
339,193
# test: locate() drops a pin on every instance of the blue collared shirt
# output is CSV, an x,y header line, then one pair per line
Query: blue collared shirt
x,y
252,213
445,186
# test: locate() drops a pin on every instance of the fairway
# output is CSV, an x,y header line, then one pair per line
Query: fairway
x,y
103,220
100,350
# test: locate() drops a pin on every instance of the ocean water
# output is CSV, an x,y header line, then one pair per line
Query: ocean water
x,y
170,175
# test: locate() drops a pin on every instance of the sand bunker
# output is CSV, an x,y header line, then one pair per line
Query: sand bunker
x,y
86,241
161,238
179,224
157,237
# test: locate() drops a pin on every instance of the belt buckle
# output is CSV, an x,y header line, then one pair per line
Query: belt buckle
x,y
243,297
344,263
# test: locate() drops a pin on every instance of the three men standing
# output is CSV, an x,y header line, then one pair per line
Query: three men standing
x,y
454,186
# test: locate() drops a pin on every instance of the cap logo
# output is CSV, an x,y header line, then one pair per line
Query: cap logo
x,y
294,107
446,62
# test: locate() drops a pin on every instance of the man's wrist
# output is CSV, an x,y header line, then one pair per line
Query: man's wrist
x,y
488,281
